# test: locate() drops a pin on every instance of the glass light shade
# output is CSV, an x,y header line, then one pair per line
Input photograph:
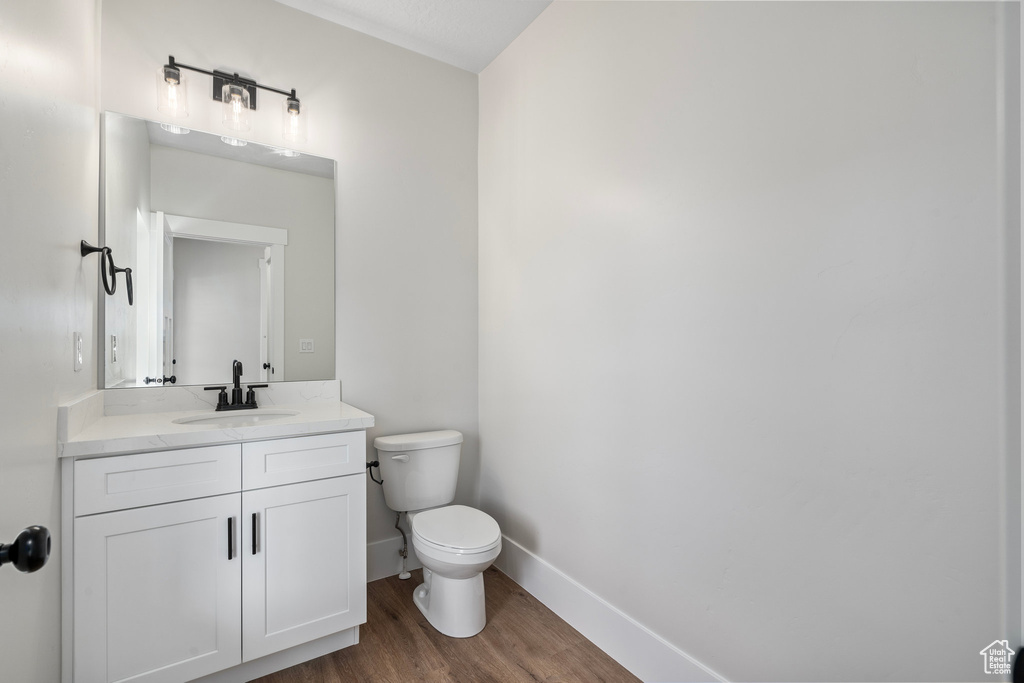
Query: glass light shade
x,y
176,130
171,92
294,121
236,106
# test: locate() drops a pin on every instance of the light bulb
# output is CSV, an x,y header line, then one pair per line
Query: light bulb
x,y
294,121
236,106
172,95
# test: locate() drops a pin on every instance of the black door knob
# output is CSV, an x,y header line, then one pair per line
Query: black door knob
x,y
30,550
266,366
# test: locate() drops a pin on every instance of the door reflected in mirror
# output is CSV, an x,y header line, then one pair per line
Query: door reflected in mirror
x,y
232,250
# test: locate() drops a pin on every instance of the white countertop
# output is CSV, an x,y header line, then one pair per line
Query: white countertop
x,y
94,432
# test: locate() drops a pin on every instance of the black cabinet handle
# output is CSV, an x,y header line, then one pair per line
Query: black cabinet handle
x,y
255,532
231,538
266,366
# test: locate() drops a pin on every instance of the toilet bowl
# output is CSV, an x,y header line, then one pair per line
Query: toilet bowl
x,y
455,544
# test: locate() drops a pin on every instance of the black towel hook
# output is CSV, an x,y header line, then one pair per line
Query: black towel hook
x,y
108,286
107,266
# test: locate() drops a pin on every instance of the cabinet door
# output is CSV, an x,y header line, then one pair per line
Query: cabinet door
x,y
156,596
304,562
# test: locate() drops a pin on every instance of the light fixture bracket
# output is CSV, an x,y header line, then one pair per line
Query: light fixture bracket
x,y
220,79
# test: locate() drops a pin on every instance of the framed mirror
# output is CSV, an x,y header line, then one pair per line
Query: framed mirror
x,y
231,246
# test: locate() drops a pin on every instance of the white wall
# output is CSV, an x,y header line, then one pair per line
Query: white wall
x,y
48,203
744,323
190,184
403,129
216,310
126,194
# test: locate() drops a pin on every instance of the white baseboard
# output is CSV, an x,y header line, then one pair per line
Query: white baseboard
x,y
383,560
645,654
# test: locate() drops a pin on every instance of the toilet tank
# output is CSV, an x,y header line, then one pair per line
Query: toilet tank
x,y
419,470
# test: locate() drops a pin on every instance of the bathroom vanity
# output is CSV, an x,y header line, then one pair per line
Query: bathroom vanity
x,y
207,546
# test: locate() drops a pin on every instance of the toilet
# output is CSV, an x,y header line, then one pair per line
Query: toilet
x,y
455,543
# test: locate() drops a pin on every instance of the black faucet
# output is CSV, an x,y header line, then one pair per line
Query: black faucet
x,y
236,391
236,376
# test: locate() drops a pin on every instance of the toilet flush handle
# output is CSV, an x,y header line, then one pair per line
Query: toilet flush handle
x,y
404,457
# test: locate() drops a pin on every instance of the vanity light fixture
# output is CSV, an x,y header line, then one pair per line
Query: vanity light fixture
x,y
234,142
238,95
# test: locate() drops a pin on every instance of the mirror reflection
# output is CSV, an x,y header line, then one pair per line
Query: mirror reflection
x,y
231,247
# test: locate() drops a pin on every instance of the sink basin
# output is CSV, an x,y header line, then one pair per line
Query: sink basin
x,y
241,418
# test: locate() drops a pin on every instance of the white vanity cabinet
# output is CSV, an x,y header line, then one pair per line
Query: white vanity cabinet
x,y
190,562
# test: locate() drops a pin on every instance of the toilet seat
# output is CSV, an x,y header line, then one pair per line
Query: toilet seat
x,y
456,529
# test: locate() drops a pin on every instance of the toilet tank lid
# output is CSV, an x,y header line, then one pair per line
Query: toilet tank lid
x,y
417,441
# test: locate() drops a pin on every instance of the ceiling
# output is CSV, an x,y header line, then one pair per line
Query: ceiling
x,y
468,34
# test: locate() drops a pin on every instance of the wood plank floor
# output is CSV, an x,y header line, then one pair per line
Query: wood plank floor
x,y
523,641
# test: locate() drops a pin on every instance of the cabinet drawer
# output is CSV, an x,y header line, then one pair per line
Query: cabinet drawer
x,y
304,458
127,481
